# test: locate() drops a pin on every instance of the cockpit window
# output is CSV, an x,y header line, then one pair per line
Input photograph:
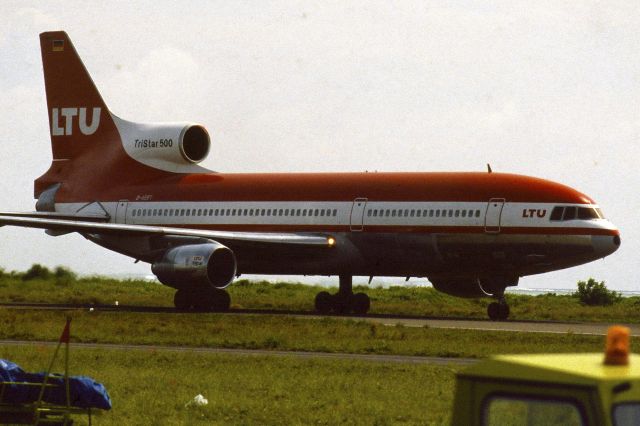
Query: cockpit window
x,y
563,213
556,213
569,213
585,213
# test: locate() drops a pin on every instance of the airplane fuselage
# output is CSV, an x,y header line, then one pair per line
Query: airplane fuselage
x,y
443,225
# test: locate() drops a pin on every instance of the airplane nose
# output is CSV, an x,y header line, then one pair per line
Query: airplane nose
x,y
604,245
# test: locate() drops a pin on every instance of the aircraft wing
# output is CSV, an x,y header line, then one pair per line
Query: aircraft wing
x,y
87,225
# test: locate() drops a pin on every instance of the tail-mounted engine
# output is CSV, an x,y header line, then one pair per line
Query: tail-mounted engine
x,y
196,265
173,147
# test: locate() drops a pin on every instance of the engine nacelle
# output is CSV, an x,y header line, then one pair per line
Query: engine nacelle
x,y
174,147
195,265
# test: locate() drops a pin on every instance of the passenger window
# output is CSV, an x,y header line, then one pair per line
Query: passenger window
x,y
569,213
477,213
199,212
418,213
450,213
413,213
457,213
464,213
514,410
393,213
335,212
437,213
321,212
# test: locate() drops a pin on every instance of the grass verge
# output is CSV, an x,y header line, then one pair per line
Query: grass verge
x,y
278,332
298,297
152,387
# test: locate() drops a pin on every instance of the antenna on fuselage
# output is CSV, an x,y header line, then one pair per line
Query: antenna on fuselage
x,y
489,168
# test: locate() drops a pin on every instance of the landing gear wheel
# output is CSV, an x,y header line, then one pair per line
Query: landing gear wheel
x,y
182,300
221,301
503,311
323,302
204,299
360,303
493,310
342,303
498,311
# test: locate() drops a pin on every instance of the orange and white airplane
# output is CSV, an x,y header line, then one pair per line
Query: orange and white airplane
x,y
137,189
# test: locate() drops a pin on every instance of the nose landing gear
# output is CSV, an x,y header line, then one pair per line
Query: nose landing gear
x,y
344,301
498,311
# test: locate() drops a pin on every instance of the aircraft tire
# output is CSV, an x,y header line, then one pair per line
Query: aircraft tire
x,y
323,302
342,303
182,300
204,299
503,311
360,303
221,301
493,310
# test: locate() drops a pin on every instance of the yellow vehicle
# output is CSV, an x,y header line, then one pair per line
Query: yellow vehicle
x,y
553,390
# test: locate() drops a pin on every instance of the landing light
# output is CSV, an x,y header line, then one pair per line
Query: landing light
x,y
331,241
617,351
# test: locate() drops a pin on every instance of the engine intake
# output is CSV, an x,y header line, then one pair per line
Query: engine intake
x,y
194,143
195,265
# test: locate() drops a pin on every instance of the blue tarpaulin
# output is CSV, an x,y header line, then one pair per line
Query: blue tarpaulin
x,y
84,391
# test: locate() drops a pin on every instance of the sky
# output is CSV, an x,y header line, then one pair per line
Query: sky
x,y
546,88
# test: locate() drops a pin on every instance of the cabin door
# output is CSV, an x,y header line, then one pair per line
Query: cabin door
x,y
357,214
493,215
121,211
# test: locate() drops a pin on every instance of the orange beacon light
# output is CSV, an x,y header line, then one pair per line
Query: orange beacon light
x,y
617,351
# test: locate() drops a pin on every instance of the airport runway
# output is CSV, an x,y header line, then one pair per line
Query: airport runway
x,y
259,352
389,320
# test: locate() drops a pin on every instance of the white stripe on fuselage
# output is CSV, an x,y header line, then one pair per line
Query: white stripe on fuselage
x,y
336,213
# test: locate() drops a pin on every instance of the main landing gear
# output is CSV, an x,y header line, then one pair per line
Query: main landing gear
x,y
344,301
208,299
498,311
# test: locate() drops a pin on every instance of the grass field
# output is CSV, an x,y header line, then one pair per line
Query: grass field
x,y
277,332
152,387
298,297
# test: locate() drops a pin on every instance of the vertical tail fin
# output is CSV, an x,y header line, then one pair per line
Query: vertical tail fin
x,y
78,116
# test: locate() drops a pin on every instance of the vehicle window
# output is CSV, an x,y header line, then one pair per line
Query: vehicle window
x,y
526,411
626,414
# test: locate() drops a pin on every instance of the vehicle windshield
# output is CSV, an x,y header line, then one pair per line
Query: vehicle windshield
x,y
513,410
626,414
563,213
